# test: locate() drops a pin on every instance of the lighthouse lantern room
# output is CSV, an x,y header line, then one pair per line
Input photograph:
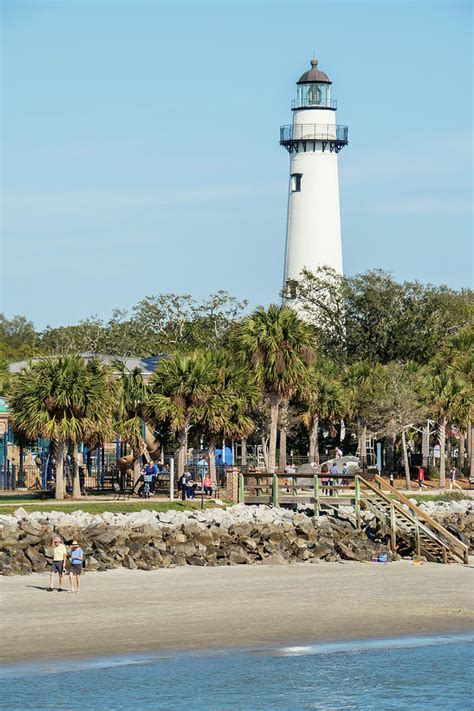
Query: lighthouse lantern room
x,y
313,140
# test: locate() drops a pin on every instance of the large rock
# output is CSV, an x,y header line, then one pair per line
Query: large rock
x,y
236,536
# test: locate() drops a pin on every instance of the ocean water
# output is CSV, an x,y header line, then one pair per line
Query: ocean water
x,y
425,673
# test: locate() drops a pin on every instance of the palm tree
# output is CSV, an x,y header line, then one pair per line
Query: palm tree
x,y
131,411
357,382
230,396
65,400
279,346
443,390
322,400
179,388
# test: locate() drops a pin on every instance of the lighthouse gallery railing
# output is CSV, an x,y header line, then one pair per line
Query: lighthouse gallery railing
x,y
314,132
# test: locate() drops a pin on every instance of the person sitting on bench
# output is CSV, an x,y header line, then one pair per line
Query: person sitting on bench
x,y
207,484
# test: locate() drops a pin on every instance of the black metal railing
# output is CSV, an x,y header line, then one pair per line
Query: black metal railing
x,y
307,104
314,132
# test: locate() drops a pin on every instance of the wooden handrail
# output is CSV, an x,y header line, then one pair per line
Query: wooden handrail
x,y
404,513
263,475
450,546
422,514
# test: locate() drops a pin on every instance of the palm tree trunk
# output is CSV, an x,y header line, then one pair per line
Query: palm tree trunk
x,y
405,460
282,460
264,441
448,447
471,449
462,451
274,407
442,452
425,453
212,459
362,442
61,449
76,482
182,440
313,441
244,452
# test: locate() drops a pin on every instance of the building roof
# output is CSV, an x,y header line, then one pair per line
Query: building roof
x,y
314,74
3,406
146,365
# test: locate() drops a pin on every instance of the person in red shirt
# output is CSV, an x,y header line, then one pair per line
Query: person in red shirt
x,y
207,484
421,478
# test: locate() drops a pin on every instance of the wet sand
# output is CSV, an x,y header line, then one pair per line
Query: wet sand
x,y
130,611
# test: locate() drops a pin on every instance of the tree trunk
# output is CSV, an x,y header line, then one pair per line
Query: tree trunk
x,y
313,441
442,452
462,451
448,447
362,425
264,441
274,407
61,450
471,449
212,460
425,446
244,452
282,461
182,440
76,482
391,454
405,460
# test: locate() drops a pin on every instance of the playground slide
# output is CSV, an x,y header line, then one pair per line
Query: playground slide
x,y
150,449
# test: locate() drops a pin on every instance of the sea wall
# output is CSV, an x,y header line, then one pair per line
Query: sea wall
x,y
146,539
238,535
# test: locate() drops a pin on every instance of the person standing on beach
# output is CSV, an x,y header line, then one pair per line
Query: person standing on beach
x,y
59,562
77,558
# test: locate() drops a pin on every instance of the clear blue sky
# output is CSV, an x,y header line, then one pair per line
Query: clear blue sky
x,y
141,155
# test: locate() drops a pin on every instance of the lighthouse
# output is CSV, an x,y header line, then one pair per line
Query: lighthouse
x,y
313,140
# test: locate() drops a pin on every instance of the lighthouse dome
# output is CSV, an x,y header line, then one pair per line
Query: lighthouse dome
x,y
314,75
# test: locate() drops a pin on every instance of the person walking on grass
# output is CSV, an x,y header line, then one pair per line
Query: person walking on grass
x,y
421,478
452,479
77,559
59,563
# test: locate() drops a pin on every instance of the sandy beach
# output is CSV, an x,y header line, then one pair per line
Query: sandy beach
x,y
131,611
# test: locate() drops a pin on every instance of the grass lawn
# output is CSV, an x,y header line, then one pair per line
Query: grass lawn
x,y
448,496
98,507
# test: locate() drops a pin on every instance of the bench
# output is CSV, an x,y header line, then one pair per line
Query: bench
x,y
121,491
45,493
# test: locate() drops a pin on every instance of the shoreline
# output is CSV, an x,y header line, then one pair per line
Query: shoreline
x,y
293,649
130,612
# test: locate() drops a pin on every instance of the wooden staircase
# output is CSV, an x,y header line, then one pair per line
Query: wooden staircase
x,y
409,526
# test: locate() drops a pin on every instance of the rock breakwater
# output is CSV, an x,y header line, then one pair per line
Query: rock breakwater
x,y
147,539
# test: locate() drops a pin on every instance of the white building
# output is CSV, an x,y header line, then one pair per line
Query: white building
x,y
313,140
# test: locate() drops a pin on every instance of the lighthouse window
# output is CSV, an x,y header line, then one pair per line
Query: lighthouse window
x,y
296,182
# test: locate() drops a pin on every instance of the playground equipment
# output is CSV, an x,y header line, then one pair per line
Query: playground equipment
x,y
150,449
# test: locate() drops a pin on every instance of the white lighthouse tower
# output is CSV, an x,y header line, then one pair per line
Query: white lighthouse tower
x,y
313,140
